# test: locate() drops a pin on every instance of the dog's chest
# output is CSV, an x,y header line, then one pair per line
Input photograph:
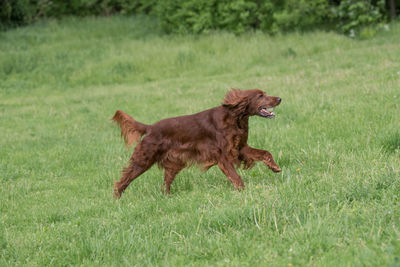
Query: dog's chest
x,y
235,138
235,142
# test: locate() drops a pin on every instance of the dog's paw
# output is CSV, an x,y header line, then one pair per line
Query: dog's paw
x,y
276,169
117,194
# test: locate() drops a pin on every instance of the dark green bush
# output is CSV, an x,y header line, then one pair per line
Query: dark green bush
x,y
240,15
15,12
187,16
352,17
21,12
182,16
359,17
301,14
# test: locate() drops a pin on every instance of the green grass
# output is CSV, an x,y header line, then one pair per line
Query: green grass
x,y
336,136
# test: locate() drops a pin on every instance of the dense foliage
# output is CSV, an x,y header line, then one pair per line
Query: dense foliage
x,y
20,12
358,15
199,16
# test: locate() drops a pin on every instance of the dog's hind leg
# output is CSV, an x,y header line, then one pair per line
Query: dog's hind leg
x,y
142,159
128,175
169,176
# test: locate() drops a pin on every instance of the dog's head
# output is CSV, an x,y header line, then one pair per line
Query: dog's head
x,y
251,102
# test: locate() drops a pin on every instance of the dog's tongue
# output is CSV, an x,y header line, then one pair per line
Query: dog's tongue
x,y
267,113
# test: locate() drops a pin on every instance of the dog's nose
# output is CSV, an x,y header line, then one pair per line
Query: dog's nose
x,y
279,99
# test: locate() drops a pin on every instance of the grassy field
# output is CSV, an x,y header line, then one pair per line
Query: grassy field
x,y
336,136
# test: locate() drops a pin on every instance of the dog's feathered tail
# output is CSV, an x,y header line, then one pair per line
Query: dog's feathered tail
x,y
131,130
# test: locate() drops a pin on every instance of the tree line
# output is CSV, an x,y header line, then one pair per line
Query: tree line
x,y
352,17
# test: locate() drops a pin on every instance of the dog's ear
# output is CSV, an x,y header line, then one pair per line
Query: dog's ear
x,y
234,97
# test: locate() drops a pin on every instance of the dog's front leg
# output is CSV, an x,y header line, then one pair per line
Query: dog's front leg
x,y
260,155
229,170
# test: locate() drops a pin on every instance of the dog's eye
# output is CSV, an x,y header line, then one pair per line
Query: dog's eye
x,y
259,96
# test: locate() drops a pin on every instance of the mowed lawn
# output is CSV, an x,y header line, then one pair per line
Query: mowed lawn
x,y
336,136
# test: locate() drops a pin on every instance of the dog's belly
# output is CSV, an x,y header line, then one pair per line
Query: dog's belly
x,y
205,154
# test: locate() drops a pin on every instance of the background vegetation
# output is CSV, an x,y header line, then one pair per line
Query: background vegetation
x,y
352,17
336,136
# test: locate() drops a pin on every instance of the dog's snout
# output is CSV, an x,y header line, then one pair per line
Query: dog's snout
x,y
279,99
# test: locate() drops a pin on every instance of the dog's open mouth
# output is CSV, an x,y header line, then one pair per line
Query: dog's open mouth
x,y
266,112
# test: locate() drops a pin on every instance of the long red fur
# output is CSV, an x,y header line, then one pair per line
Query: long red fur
x,y
217,136
131,130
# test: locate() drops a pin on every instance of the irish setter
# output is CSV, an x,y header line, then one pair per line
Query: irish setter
x,y
217,136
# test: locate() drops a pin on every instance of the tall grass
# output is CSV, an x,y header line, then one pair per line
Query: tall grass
x,y
336,136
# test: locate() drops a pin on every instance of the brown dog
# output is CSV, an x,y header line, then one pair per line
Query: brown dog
x,y
216,136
